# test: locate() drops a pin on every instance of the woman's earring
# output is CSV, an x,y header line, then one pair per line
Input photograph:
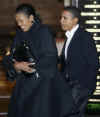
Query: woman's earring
x,y
33,21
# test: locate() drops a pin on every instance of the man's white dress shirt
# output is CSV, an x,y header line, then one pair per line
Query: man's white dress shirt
x,y
69,35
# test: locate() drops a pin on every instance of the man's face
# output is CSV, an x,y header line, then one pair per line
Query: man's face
x,y
67,21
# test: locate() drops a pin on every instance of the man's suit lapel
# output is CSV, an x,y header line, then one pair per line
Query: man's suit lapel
x,y
75,36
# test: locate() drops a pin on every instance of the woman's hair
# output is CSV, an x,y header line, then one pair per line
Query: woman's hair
x,y
28,10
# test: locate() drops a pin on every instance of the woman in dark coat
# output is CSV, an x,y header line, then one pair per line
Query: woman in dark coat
x,y
38,92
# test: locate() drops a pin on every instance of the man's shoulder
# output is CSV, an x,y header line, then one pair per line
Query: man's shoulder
x,y
84,32
85,36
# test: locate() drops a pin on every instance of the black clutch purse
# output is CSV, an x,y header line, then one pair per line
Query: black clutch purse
x,y
22,52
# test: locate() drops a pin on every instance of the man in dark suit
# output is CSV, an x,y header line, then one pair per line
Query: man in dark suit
x,y
79,60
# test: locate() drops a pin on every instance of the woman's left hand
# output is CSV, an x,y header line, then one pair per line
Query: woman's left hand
x,y
24,66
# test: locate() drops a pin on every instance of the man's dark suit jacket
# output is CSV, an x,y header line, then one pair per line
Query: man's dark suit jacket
x,y
82,60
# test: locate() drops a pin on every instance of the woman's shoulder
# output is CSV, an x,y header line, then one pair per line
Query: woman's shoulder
x,y
44,28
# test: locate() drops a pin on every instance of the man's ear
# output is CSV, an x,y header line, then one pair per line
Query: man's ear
x,y
76,20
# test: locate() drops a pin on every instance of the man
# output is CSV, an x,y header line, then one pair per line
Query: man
x,y
79,60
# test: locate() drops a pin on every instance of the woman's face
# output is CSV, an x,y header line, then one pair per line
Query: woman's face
x,y
24,22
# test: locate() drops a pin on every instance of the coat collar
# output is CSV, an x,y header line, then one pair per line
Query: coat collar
x,y
75,36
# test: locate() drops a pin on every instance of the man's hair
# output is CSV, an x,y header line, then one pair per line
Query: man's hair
x,y
74,11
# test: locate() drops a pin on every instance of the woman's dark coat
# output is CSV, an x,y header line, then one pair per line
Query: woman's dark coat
x,y
43,97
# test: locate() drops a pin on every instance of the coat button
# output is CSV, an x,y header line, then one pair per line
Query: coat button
x,y
67,77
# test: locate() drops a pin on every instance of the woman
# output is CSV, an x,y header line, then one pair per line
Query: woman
x,y
38,91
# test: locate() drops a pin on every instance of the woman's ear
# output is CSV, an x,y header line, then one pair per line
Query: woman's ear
x,y
31,18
